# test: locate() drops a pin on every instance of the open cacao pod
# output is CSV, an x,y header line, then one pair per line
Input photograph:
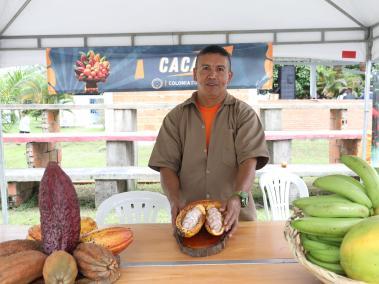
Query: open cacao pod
x,y
191,218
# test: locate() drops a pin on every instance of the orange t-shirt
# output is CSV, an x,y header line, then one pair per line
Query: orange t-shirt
x,y
208,114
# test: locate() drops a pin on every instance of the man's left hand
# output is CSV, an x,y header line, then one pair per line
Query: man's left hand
x,y
232,210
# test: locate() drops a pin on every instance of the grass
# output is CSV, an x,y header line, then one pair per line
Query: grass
x,y
93,154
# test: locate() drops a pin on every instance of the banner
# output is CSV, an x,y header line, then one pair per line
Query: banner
x,y
147,68
375,123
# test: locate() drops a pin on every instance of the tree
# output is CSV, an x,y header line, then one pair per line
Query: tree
x,y
329,82
27,86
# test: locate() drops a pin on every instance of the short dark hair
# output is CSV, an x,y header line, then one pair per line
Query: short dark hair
x,y
216,49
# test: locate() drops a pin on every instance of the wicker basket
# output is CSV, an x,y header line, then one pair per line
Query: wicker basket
x,y
322,274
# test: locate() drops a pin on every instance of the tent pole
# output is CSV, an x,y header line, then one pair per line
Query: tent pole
x,y
367,108
3,185
313,80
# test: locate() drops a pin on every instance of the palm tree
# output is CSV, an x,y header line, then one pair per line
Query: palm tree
x,y
329,82
26,86
10,90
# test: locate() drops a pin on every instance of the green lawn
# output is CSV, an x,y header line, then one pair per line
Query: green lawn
x,y
93,154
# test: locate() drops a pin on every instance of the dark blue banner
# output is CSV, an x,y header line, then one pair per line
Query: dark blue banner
x,y
147,68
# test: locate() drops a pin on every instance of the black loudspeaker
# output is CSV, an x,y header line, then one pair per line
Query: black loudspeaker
x,y
287,82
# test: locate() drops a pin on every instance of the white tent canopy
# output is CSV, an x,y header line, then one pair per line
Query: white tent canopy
x,y
301,30
315,30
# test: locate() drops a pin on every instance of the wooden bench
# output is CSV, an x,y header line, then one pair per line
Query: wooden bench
x,y
30,177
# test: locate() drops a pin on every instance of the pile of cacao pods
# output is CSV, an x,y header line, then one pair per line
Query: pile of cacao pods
x,y
197,214
92,67
64,247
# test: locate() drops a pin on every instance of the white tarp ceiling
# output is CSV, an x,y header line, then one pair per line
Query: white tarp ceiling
x,y
315,30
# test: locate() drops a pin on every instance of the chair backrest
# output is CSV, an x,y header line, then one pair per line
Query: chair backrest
x,y
276,187
134,207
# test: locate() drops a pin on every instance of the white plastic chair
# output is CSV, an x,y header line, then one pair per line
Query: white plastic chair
x,y
134,207
276,189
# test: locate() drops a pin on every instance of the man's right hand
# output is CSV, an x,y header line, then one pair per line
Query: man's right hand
x,y
171,187
176,206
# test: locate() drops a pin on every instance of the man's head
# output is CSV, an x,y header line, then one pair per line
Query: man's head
x,y
215,49
213,74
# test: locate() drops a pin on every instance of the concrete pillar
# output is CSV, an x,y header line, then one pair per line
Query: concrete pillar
x,y
280,150
38,154
19,192
338,147
107,188
119,153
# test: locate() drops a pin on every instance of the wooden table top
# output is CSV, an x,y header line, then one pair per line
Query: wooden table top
x,y
252,241
257,253
288,273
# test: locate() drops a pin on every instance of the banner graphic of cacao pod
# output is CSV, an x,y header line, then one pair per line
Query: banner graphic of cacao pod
x,y
91,68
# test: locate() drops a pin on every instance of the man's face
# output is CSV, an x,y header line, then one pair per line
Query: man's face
x,y
212,74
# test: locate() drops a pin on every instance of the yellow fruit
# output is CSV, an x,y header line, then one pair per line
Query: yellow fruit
x,y
360,251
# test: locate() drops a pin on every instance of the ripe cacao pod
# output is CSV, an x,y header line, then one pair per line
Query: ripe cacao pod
x,y
15,246
115,239
87,224
59,210
34,233
97,263
21,267
60,267
192,217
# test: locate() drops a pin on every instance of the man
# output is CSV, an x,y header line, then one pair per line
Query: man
x,y
24,126
210,145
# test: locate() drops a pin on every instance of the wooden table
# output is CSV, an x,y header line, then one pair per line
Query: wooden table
x,y
257,253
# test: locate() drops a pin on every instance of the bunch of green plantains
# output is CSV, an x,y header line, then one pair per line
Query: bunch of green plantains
x,y
338,231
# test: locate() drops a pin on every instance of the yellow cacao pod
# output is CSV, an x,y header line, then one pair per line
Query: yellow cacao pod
x,y
115,239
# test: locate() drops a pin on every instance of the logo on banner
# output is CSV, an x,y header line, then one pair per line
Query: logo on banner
x,y
157,83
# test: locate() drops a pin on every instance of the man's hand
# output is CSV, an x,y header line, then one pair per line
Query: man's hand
x,y
175,209
231,211
170,185
176,206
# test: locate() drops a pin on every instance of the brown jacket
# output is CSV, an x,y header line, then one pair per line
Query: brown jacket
x,y
237,135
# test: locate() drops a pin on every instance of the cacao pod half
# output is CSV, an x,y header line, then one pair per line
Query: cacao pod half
x,y
190,220
97,263
115,239
59,209
192,217
214,220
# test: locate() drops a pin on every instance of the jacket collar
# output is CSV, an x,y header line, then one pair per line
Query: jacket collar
x,y
229,99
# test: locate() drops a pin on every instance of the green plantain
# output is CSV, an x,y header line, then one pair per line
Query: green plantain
x,y
337,209
302,202
338,184
330,227
368,175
